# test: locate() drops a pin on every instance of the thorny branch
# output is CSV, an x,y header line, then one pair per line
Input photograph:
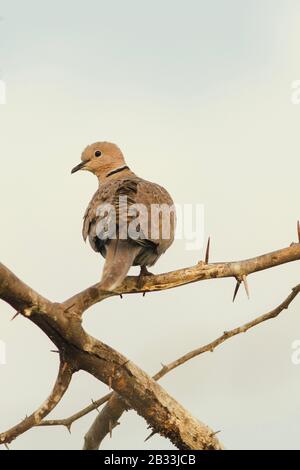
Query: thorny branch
x,y
200,272
61,385
115,407
63,327
62,324
67,422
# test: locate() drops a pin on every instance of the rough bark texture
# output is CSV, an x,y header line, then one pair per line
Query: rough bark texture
x,y
78,350
113,410
84,352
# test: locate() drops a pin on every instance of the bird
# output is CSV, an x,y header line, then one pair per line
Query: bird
x,y
130,221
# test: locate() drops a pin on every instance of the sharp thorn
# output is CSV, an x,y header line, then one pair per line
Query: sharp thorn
x,y
214,433
245,282
144,293
96,407
110,428
121,296
7,448
54,351
207,251
15,316
298,230
238,283
150,435
68,426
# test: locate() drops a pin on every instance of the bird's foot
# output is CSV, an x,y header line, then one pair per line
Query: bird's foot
x,y
143,273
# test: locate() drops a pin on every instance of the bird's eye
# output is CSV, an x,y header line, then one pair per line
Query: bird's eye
x,y
97,153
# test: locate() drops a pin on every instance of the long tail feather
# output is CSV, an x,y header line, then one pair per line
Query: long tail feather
x,y
120,255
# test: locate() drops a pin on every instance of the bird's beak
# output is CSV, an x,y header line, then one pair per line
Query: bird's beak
x,y
78,167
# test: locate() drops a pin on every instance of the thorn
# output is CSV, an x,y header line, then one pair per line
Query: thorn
x,y
144,293
214,433
54,350
7,448
110,428
245,282
68,426
207,251
238,283
150,435
96,407
298,230
15,315
121,296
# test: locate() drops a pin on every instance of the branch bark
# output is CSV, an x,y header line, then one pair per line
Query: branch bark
x,y
62,324
113,410
67,422
61,385
141,392
200,272
105,422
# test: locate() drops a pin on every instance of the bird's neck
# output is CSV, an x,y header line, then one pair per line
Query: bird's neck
x,y
119,172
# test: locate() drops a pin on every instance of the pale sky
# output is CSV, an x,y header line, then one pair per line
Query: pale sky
x,y
198,96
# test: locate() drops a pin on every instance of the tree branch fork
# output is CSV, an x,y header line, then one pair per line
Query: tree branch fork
x,y
132,387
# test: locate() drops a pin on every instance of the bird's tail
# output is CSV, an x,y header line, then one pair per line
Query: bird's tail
x,y
120,255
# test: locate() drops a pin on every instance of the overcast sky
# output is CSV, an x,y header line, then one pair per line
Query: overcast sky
x,y
198,96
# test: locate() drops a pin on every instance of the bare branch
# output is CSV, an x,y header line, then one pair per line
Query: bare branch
x,y
67,422
104,422
116,406
229,334
200,272
62,382
62,325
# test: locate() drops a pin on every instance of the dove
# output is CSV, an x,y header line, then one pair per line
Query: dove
x,y
129,221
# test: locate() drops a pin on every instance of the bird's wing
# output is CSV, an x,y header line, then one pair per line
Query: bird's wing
x,y
132,192
161,217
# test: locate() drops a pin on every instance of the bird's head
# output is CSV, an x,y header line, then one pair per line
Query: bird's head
x,y
100,158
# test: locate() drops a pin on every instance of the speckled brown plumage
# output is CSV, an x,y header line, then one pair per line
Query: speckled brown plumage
x,y
115,180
